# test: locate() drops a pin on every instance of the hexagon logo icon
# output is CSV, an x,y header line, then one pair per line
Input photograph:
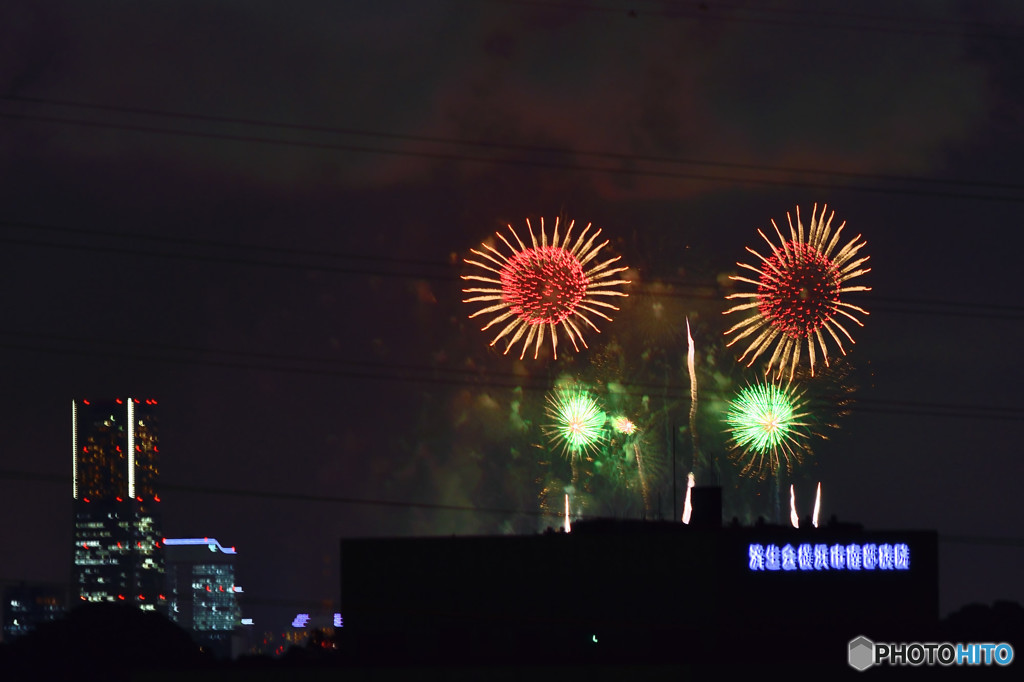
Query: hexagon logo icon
x,y
861,653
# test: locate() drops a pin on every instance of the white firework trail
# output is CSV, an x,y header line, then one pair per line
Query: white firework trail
x,y
793,518
687,506
691,364
817,506
568,527
643,479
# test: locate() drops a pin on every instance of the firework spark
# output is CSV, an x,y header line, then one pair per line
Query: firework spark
x,y
799,290
578,422
643,479
544,287
793,518
765,421
624,426
687,504
817,506
690,364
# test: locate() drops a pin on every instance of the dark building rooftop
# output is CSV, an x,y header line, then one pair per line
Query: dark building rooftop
x,y
640,589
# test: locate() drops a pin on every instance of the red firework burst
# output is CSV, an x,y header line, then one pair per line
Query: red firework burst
x,y
544,286
799,291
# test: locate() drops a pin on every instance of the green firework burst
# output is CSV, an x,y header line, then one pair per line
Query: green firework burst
x,y
577,421
623,425
766,423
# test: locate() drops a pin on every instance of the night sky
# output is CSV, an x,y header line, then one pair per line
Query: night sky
x,y
257,214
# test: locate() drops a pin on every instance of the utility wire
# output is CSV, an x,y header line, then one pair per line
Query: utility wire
x,y
515,161
298,364
807,17
218,491
233,246
432,270
507,146
457,377
39,477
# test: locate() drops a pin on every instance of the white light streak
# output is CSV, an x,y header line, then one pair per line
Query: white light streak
x,y
793,518
817,506
690,363
131,449
643,479
74,450
687,506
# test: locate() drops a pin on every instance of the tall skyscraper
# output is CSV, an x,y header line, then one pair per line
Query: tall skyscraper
x,y
118,554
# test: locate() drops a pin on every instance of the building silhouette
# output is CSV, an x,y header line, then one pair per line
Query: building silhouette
x,y
26,606
117,554
202,593
639,591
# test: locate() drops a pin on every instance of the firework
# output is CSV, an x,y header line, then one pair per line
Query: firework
x,y
578,423
766,423
643,479
544,287
799,290
817,505
691,365
688,503
623,425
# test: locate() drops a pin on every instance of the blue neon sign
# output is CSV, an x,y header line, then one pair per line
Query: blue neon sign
x,y
834,557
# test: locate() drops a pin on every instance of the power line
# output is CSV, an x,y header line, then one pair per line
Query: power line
x,y
508,146
516,161
982,540
801,18
326,367
936,303
358,501
233,246
388,371
39,477
432,270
